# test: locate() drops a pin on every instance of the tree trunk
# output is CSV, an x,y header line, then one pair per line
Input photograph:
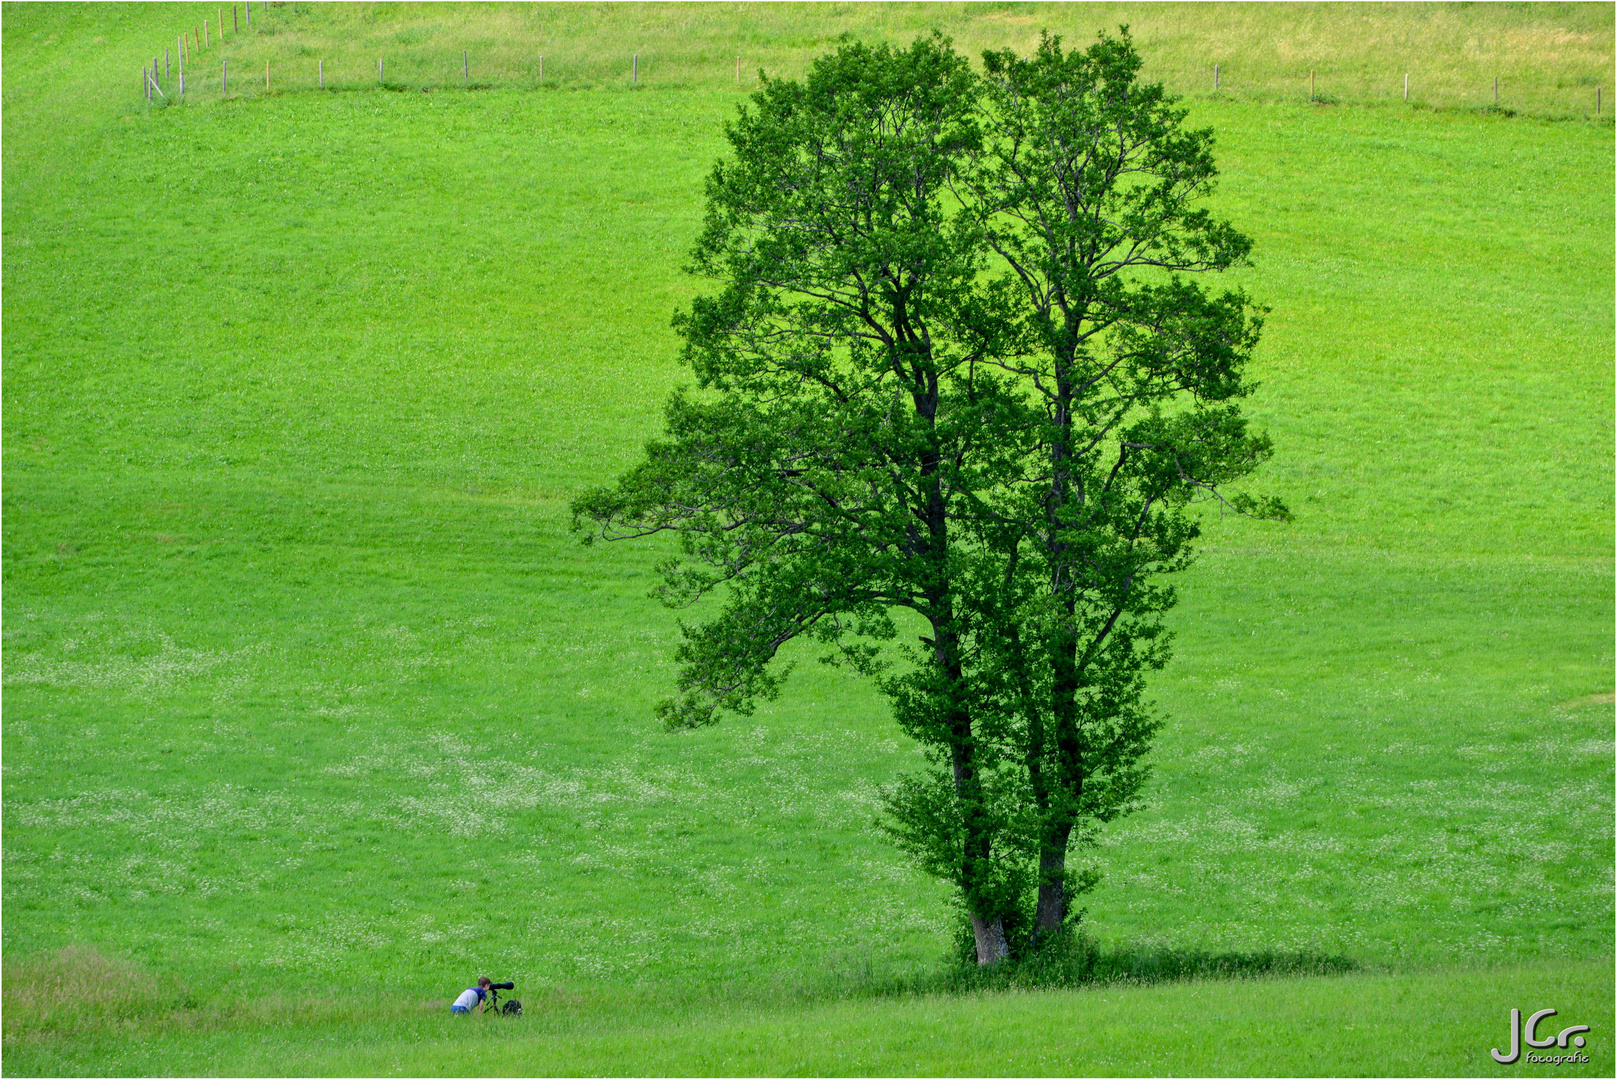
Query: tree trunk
x,y
1053,898
1069,786
978,842
991,946
1052,906
1068,780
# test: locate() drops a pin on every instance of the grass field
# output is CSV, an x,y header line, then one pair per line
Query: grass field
x,y
315,709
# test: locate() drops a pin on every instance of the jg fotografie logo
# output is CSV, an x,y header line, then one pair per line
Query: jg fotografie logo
x,y
1528,1033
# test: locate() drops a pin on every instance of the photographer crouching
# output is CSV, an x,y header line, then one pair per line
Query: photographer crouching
x,y
484,996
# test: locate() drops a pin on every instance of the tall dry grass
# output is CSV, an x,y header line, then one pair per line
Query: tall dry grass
x,y
74,987
1548,58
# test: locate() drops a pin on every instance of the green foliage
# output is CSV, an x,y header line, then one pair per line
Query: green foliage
x,y
794,484
953,368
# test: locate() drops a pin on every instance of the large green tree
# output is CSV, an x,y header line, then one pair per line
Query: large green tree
x,y
952,368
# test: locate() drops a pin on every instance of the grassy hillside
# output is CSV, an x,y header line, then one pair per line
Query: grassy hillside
x,y
311,692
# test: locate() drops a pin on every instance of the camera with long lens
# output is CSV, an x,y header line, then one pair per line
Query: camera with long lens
x,y
509,1008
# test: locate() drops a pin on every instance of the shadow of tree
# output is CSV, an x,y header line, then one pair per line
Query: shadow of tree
x,y
1075,960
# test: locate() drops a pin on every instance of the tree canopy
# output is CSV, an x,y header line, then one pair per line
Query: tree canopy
x,y
954,366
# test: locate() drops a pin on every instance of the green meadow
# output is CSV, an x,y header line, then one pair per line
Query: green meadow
x,y
316,709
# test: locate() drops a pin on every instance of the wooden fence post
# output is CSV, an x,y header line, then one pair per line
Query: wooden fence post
x,y
224,76
1215,78
165,63
234,25
322,74
381,71
634,72
541,67
266,76
249,6
465,67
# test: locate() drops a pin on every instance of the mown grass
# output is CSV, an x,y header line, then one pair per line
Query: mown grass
x,y
312,699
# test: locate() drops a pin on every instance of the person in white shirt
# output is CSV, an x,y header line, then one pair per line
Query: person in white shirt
x,y
473,996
